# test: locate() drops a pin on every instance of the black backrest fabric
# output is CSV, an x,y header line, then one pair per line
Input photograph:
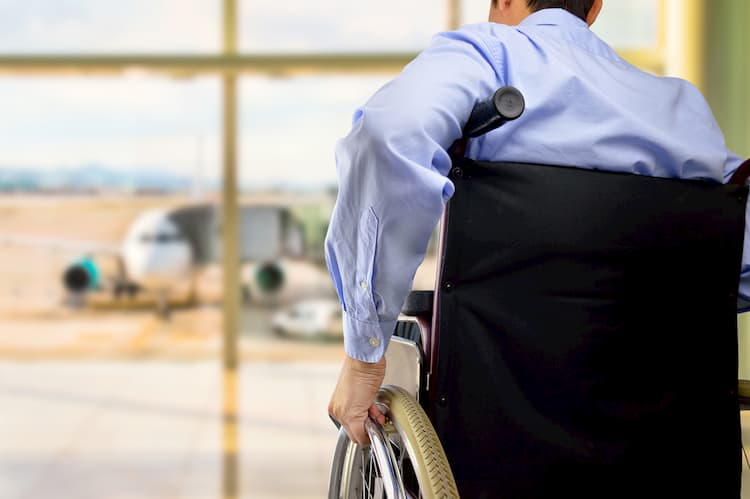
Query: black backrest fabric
x,y
588,335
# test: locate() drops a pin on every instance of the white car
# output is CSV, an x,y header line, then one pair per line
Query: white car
x,y
310,319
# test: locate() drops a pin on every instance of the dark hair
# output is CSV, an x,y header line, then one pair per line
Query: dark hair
x,y
578,8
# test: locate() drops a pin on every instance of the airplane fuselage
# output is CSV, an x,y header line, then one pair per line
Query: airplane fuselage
x,y
156,254
164,250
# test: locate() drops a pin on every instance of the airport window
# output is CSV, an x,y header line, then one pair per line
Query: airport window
x,y
270,26
630,24
289,128
128,134
110,26
94,137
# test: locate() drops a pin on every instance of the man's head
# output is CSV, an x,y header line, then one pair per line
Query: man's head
x,y
514,11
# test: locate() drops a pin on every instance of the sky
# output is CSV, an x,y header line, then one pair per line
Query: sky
x,y
288,127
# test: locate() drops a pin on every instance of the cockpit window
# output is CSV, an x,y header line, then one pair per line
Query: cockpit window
x,y
160,238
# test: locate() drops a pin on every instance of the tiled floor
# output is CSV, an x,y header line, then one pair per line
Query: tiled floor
x,y
153,430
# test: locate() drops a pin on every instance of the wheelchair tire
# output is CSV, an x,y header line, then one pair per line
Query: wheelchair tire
x,y
420,456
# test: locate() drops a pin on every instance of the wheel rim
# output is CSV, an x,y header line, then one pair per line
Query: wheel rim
x,y
415,450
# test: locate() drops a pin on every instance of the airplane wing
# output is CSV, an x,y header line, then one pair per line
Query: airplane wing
x,y
84,273
55,244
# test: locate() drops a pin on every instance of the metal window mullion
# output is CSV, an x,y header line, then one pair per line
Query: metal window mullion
x,y
230,260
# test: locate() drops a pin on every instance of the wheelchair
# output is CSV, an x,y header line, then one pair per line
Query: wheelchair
x,y
581,340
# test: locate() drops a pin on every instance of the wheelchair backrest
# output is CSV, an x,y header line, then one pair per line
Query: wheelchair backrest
x,y
590,312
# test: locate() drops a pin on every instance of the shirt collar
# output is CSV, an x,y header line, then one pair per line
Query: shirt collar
x,y
553,17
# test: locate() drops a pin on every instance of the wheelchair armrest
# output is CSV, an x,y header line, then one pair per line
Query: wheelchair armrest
x,y
418,303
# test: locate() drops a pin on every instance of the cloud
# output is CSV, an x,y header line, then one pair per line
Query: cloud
x,y
291,126
340,25
288,126
57,26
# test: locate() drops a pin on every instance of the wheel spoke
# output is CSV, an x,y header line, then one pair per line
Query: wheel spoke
x,y
365,478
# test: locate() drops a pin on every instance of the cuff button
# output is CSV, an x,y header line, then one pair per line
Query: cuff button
x,y
374,342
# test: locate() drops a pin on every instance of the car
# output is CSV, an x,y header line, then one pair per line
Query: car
x,y
312,319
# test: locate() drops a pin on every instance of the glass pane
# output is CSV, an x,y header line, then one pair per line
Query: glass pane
x,y
96,26
624,24
101,392
339,25
290,128
114,133
629,24
289,132
473,11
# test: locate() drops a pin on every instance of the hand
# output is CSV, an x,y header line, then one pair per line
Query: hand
x,y
353,399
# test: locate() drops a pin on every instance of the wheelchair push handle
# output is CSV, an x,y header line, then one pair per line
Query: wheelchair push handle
x,y
506,104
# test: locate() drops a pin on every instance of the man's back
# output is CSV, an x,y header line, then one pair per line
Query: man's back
x,y
587,107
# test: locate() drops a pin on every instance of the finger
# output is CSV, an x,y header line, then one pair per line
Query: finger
x,y
376,414
357,433
335,421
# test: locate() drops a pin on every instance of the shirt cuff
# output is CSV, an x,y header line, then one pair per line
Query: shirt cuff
x,y
366,341
743,305
743,295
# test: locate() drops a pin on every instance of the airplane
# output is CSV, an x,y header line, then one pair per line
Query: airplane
x,y
165,248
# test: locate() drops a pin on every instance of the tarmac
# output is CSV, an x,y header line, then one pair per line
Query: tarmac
x,y
189,335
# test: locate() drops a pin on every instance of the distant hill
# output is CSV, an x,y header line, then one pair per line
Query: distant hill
x,y
91,178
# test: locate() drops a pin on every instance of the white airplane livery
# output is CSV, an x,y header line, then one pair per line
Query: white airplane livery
x,y
155,252
163,249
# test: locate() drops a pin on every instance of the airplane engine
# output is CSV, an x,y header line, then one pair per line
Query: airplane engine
x,y
269,277
81,276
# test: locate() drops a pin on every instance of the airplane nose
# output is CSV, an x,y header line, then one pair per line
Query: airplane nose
x,y
159,265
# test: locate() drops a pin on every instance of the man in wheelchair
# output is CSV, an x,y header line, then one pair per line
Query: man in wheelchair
x,y
586,310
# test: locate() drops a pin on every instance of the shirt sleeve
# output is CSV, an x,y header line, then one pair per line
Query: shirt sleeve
x,y
392,170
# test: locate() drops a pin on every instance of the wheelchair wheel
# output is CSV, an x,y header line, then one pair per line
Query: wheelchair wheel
x,y
405,459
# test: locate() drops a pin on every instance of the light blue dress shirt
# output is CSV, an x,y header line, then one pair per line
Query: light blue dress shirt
x,y
585,107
